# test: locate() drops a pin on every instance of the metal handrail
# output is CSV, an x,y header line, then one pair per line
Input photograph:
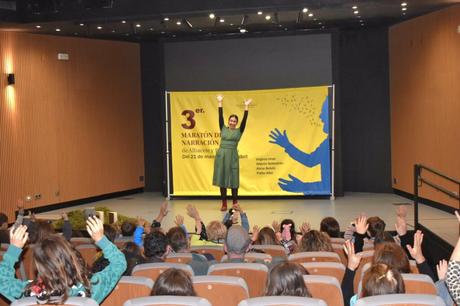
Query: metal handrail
x,y
418,181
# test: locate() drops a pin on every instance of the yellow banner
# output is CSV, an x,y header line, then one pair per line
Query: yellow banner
x,y
287,163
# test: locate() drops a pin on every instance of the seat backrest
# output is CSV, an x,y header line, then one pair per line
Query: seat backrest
x,y
366,257
338,248
216,251
282,301
413,267
254,274
167,300
314,257
221,290
338,240
88,252
81,240
401,300
333,269
71,301
253,257
326,288
418,283
179,258
273,250
129,287
152,270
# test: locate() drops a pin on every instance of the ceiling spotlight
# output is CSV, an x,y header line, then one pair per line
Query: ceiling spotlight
x,y
82,24
138,25
259,13
356,12
304,10
123,21
212,16
99,28
354,7
268,17
221,20
178,23
243,30
38,26
58,30
166,19
310,15
150,29
404,9
113,31
404,4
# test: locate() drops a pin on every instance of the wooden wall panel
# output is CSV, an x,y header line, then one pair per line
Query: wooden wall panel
x,y
75,130
425,105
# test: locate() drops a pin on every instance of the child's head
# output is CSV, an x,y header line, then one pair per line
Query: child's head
x,y
155,245
216,230
381,279
315,241
376,226
174,282
392,255
287,229
266,237
287,279
110,232
128,228
330,226
177,239
59,267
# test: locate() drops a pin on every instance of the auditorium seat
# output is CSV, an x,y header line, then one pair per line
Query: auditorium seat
x,y
255,274
221,290
326,288
418,283
413,267
401,300
253,257
88,252
314,257
333,269
216,251
338,248
166,300
282,301
366,257
71,301
273,250
152,270
81,240
338,240
179,258
129,287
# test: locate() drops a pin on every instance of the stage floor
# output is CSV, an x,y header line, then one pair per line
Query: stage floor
x,y
262,211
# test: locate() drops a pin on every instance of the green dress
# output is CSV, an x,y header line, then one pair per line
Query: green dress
x,y
227,163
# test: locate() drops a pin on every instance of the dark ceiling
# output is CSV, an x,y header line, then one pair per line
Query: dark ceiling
x,y
153,19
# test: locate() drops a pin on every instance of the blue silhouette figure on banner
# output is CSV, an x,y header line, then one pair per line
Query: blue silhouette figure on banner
x,y
319,156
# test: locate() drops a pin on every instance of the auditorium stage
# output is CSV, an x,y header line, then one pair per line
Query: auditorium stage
x,y
263,211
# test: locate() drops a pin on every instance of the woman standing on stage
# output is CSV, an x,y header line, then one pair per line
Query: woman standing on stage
x,y
226,163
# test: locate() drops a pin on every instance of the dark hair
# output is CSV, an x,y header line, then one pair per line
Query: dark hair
x,y
376,227
292,229
133,256
3,219
266,237
234,116
39,230
392,255
59,267
287,279
155,244
384,237
315,241
177,238
381,279
330,226
173,282
128,228
110,232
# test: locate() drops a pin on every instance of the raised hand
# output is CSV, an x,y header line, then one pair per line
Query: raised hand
x,y
401,211
192,212
401,225
361,225
441,269
279,138
64,216
19,236
255,233
95,228
220,99
305,228
179,220
353,258
416,250
276,226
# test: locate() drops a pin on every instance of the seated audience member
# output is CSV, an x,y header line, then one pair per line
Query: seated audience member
x,y
237,243
173,282
143,226
441,286
315,241
180,244
213,234
287,279
62,272
4,232
133,255
101,262
453,271
234,215
155,247
127,229
286,234
330,226
265,236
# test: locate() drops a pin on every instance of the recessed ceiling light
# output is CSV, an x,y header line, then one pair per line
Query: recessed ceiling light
x,y
354,7
221,20
310,15
113,31
243,30
151,29
138,25
315,19
259,13
75,33
320,23
356,12
231,24
212,16
404,9
99,28
404,4
178,23
162,32
58,30
304,10
268,17
38,26
82,24
123,21
166,19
